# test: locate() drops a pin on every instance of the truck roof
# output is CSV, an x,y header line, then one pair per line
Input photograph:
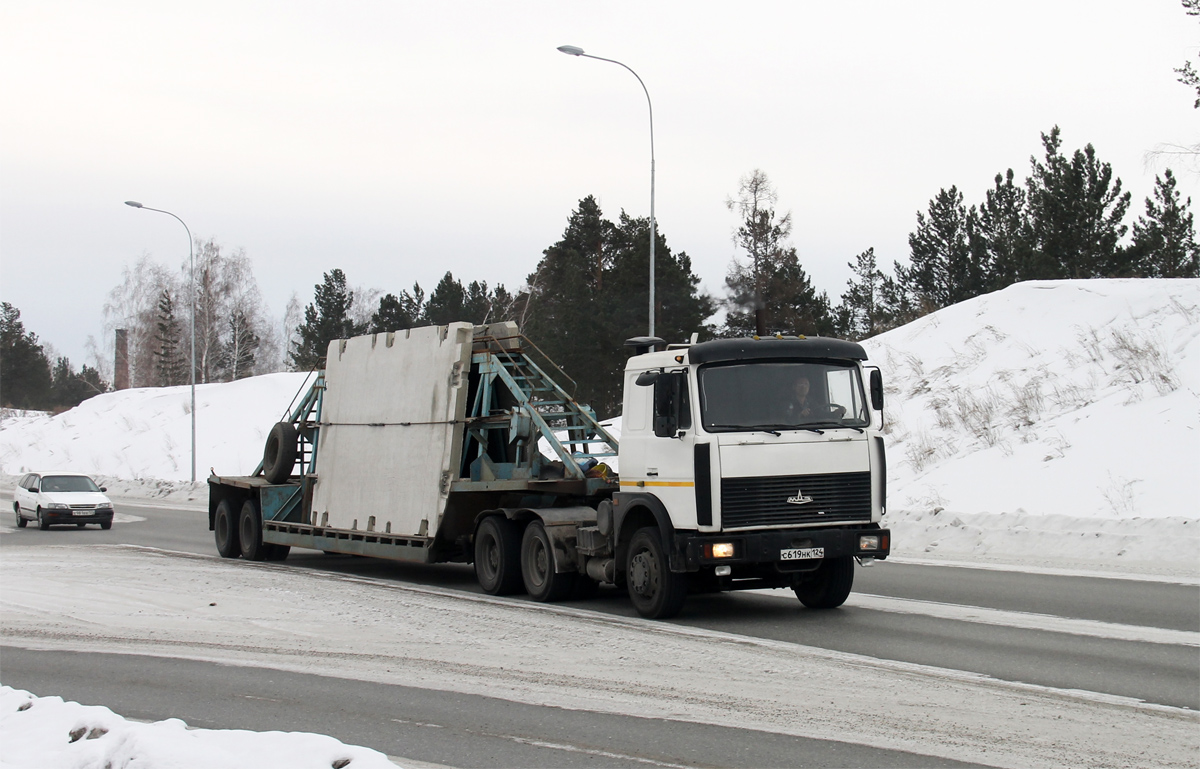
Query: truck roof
x,y
751,348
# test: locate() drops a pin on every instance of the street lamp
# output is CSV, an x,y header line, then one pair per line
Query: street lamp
x,y
192,291
572,50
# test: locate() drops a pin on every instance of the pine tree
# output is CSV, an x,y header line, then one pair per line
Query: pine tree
x,y
399,312
590,293
445,303
170,365
326,319
770,292
1003,234
25,378
1164,239
69,389
1075,210
863,311
943,269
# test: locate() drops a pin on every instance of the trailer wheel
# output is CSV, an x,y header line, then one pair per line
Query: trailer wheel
x,y
656,591
279,455
498,556
829,586
250,532
225,531
542,582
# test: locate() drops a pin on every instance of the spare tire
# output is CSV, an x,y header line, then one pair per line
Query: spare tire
x,y
279,456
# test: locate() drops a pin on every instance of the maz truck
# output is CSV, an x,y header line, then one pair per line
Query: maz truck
x,y
740,463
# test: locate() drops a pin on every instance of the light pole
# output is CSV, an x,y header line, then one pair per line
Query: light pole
x,y
192,291
572,50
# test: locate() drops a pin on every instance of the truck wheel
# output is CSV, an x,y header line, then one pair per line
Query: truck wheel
x,y
279,456
829,586
498,556
537,567
250,532
225,531
656,591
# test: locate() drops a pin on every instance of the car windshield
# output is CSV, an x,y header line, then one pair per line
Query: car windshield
x,y
57,483
781,395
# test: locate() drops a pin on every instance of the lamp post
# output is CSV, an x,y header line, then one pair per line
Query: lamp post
x,y
572,50
192,291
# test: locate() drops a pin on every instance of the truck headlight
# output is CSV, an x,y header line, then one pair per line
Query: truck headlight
x,y
718,550
868,542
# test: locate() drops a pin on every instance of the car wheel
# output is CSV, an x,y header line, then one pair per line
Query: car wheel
x,y
106,525
43,525
20,519
80,525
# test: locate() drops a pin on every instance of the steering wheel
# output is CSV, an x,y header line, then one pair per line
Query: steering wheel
x,y
837,411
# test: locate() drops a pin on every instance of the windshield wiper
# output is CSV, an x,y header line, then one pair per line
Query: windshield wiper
x,y
770,429
840,425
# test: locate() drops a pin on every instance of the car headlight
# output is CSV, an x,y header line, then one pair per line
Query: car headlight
x,y
104,506
57,506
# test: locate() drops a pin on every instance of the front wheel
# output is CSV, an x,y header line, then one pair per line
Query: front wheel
x,y
542,582
225,531
498,556
656,591
106,525
43,524
829,586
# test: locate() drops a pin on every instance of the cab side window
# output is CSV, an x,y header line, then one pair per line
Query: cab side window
x,y
672,407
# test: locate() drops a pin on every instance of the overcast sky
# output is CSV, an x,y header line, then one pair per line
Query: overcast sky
x,y
399,140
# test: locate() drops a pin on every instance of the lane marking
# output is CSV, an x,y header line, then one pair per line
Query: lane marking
x,y
586,751
1025,620
1049,571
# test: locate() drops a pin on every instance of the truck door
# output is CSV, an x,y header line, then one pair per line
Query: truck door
x,y
658,458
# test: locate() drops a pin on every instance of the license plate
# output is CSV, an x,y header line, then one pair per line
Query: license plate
x,y
802,554
82,512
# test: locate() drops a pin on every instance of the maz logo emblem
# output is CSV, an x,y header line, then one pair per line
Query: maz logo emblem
x,y
799,499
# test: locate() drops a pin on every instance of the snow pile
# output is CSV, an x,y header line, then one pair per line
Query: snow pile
x,y
145,433
1053,419
48,733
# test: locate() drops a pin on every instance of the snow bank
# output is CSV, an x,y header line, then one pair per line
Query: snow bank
x,y
1053,419
49,733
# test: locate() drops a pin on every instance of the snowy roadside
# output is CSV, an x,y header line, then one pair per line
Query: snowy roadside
x,y
266,615
48,733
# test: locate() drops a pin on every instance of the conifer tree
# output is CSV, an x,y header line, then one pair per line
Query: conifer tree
x,y
326,319
1002,243
863,311
942,268
24,368
170,367
399,312
1075,212
1164,239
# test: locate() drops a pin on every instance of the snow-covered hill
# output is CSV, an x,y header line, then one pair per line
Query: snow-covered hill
x,y
1052,422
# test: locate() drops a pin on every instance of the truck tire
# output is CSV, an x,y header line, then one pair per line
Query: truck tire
x,y
829,586
225,531
656,591
279,455
250,532
498,556
277,552
542,582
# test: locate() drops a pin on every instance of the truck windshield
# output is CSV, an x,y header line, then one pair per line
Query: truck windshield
x,y
781,395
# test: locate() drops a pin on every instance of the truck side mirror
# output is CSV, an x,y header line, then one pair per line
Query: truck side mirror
x,y
876,390
646,378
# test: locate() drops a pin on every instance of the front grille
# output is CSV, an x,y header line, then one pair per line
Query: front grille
x,y
83,507
836,498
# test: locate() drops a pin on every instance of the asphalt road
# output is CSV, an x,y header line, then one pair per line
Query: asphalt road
x,y
1103,635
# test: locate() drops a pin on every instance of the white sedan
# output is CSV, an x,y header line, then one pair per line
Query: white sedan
x,y
61,498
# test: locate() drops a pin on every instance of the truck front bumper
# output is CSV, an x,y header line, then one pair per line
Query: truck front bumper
x,y
782,552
